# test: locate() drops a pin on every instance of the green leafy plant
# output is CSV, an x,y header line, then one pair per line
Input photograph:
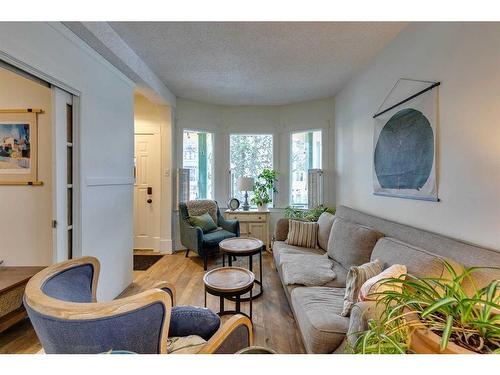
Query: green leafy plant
x,y
437,304
264,186
312,214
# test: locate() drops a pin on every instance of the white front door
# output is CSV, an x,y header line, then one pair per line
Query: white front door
x,y
147,191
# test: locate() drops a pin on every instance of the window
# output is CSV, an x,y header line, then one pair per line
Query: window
x,y
249,155
197,156
305,154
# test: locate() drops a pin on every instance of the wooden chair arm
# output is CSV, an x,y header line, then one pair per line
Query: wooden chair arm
x,y
166,287
225,331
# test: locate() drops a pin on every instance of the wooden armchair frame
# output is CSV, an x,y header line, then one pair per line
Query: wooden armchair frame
x,y
162,292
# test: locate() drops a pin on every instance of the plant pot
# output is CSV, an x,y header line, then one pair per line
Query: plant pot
x,y
424,341
262,207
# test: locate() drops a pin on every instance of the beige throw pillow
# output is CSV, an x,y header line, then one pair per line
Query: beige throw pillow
x,y
302,233
376,283
325,223
356,277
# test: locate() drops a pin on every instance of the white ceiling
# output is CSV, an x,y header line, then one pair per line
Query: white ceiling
x,y
255,63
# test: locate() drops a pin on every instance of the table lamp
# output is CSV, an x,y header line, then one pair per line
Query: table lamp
x,y
245,184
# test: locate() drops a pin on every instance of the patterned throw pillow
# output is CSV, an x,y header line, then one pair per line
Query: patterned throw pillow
x,y
205,222
302,233
356,277
376,285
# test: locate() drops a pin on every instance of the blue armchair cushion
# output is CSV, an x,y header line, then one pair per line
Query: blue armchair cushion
x,y
190,320
212,239
205,222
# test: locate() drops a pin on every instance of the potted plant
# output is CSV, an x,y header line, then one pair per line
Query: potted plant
x,y
263,188
311,214
434,315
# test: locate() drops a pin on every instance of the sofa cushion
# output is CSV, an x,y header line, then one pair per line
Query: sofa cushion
x,y
317,310
340,280
356,277
309,270
419,262
325,223
351,244
212,239
302,233
280,246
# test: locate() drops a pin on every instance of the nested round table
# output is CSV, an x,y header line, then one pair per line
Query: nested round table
x,y
243,247
229,283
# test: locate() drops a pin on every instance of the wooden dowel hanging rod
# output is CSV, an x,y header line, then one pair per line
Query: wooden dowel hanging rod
x,y
22,183
407,99
25,110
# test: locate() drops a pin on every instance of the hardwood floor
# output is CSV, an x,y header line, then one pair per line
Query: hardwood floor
x,y
274,325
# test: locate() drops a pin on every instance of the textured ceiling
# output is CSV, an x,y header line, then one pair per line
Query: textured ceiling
x,y
255,63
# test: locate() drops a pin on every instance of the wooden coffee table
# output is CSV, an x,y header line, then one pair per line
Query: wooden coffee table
x,y
245,247
229,283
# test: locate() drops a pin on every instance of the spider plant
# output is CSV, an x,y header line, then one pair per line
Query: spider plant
x,y
437,304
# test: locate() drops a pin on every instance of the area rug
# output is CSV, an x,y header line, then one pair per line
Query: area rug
x,y
143,261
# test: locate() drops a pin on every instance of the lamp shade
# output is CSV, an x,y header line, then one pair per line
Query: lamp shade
x,y
244,183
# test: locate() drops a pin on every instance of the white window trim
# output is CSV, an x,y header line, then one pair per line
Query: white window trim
x,y
290,160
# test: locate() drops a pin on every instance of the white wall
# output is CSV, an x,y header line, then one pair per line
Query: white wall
x,y
106,127
465,57
149,115
277,120
25,222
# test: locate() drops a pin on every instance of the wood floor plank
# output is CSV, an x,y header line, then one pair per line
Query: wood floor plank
x,y
274,325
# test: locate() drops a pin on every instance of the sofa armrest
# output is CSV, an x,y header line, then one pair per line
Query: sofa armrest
x,y
361,313
281,229
235,334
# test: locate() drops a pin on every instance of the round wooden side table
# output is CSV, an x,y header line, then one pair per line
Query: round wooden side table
x,y
229,283
243,247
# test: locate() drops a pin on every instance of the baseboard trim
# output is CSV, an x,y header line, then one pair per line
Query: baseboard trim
x,y
166,246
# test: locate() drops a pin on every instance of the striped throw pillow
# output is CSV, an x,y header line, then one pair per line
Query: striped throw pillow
x,y
356,277
302,233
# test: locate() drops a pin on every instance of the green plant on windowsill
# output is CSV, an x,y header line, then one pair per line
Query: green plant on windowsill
x,y
311,214
434,312
264,187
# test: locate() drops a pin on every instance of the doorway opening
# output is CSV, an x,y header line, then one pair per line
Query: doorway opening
x,y
152,178
39,207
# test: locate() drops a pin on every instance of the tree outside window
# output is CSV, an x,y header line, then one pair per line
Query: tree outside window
x,y
197,156
249,155
305,154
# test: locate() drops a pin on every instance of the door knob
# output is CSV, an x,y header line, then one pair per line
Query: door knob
x,y
149,200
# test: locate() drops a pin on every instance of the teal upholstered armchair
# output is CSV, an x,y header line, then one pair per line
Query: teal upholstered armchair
x,y
193,238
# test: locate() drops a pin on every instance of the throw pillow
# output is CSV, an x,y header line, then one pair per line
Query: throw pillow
x,y
356,277
205,222
325,223
375,284
302,233
351,244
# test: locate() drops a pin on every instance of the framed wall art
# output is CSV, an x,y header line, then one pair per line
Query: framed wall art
x,y
19,147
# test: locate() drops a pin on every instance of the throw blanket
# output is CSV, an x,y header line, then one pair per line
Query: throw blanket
x,y
306,269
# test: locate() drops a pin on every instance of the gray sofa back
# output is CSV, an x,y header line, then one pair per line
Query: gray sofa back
x,y
466,254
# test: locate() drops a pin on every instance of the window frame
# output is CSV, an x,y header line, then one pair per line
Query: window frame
x,y
211,193
230,174
290,140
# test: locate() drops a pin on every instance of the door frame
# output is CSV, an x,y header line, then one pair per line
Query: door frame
x,y
61,98
150,130
28,70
